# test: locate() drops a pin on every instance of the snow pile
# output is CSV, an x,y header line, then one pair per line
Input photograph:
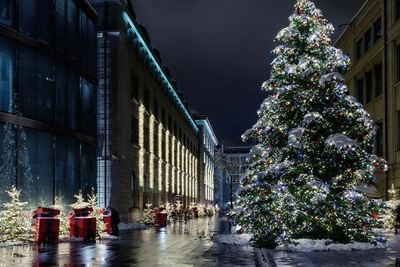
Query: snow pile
x,y
303,245
132,226
69,239
306,245
233,239
10,243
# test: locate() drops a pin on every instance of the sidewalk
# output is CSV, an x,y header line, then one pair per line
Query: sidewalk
x,y
178,245
382,257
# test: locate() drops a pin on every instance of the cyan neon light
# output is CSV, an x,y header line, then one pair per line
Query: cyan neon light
x,y
210,132
160,70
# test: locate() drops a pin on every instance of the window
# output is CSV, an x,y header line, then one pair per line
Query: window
x,y
397,9
398,130
146,98
155,108
369,86
134,191
360,48
134,130
146,138
368,40
6,11
379,140
163,117
134,86
6,73
360,90
155,147
398,62
378,80
377,29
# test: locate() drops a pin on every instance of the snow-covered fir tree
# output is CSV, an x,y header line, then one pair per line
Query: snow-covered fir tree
x,y
313,142
80,202
15,225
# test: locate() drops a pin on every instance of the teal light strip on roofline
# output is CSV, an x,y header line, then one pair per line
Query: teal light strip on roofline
x,y
209,131
160,70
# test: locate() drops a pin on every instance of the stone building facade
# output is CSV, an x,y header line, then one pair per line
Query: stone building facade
x,y
372,40
149,145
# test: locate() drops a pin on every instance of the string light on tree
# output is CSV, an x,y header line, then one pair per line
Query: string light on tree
x,y
311,156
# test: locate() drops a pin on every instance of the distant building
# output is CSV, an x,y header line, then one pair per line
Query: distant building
x,y
207,150
227,182
48,71
150,148
372,40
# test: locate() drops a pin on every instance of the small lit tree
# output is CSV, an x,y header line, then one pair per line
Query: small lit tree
x,y
64,222
389,218
15,225
100,224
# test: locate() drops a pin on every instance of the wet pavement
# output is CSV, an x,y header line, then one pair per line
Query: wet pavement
x,y
178,245
185,245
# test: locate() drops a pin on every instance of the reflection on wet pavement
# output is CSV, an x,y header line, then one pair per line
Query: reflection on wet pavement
x,y
178,244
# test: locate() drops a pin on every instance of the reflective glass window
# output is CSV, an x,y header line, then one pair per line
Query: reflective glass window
x,y
36,85
68,180
6,12
89,108
6,73
67,98
35,166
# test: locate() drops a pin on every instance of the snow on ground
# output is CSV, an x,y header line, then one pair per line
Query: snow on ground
x,y
132,226
304,245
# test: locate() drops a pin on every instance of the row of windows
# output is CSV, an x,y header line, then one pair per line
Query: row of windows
x,y
177,131
59,24
370,85
369,38
48,91
141,52
48,165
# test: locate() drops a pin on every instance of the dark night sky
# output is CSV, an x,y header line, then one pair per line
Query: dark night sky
x,y
218,51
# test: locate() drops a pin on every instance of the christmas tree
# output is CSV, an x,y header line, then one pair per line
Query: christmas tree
x,y
15,153
100,224
64,221
15,225
313,142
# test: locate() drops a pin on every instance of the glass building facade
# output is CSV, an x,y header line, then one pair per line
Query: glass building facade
x,y
48,99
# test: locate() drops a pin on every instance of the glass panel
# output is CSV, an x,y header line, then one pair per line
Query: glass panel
x,y
68,180
73,31
44,24
369,84
88,169
89,97
6,73
38,167
377,29
67,98
360,90
6,13
36,83
28,17
378,79
61,26
8,158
